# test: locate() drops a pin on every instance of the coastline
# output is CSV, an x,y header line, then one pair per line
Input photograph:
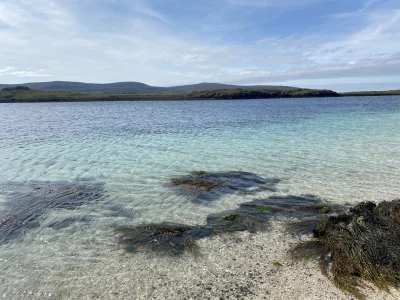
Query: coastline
x,y
238,266
59,97
24,95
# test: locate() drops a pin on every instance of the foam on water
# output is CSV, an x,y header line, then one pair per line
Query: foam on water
x,y
341,150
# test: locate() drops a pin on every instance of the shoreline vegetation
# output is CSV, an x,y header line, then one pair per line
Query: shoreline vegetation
x,y
373,93
25,94
21,94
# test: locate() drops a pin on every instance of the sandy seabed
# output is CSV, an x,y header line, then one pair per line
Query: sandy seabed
x,y
236,266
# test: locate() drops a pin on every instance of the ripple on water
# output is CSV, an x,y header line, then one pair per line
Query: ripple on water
x,y
27,203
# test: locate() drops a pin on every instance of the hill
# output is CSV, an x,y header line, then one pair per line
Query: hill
x,y
206,86
25,94
135,87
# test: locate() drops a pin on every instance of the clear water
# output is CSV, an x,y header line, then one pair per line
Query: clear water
x,y
340,149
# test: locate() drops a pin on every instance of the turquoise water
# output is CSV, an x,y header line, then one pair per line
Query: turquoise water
x,y
340,149
343,150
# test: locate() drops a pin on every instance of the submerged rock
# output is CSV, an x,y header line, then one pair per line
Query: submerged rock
x,y
362,244
293,206
255,216
167,238
26,204
68,222
252,216
207,186
237,220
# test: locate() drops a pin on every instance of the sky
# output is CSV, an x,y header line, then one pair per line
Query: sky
x,y
336,44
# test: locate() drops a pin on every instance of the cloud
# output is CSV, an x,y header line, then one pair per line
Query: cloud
x,y
30,73
110,40
273,3
373,51
372,69
13,71
6,70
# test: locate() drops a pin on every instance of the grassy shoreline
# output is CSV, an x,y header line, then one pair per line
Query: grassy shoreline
x,y
23,94
26,95
372,93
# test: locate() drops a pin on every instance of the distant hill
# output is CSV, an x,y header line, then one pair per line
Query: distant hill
x,y
206,86
136,87
25,94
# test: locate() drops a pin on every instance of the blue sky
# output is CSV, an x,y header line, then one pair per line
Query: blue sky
x,y
337,44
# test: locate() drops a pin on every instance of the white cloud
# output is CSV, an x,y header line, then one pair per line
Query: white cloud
x,y
73,41
273,3
6,71
371,52
14,72
30,73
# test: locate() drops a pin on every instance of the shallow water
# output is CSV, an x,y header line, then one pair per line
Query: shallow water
x,y
343,150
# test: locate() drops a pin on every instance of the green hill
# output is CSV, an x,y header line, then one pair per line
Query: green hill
x,y
24,94
135,87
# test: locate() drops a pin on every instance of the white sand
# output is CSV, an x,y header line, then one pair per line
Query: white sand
x,y
239,266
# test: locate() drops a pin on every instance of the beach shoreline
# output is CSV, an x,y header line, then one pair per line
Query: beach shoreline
x,y
234,266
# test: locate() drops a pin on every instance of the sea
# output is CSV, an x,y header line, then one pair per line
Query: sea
x,y
70,173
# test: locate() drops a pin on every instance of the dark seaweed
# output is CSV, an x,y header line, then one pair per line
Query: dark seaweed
x,y
166,238
253,217
208,186
363,244
26,204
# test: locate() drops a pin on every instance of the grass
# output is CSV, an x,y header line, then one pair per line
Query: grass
x,y
373,93
24,94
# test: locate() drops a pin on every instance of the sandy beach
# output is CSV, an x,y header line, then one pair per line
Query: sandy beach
x,y
234,266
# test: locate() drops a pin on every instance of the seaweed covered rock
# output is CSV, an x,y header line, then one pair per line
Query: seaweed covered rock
x,y
27,203
238,220
167,238
201,185
363,244
389,210
198,180
255,216
293,206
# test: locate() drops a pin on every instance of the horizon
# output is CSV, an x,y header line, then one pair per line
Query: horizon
x,y
339,45
340,88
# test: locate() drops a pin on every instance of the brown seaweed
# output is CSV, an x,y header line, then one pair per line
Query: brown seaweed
x,y
208,186
360,245
254,216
